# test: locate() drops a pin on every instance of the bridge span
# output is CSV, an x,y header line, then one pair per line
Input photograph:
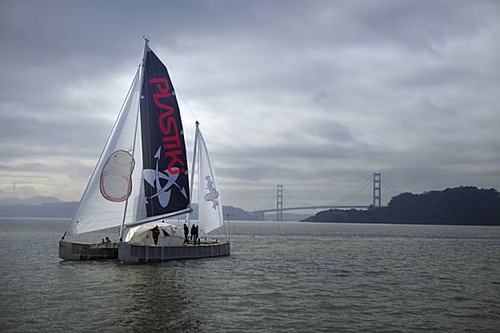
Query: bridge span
x,y
309,207
377,201
260,214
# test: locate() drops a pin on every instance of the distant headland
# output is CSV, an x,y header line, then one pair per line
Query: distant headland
x,y
465,205
50,207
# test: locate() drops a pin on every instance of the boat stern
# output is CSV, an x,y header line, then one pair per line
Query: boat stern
x,y
82,251
66,251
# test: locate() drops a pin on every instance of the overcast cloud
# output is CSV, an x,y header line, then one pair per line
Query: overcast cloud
x,y
314,95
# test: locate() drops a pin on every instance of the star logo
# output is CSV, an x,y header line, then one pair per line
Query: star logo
x,y
162,182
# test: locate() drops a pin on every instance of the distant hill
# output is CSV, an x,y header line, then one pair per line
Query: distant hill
x,y
466,205
233,213
60,209
53,207
36,207
29,201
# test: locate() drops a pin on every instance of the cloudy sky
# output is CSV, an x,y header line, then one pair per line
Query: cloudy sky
x,y
314,95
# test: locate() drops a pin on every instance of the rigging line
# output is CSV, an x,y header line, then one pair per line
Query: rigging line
x,y
187,105
176,88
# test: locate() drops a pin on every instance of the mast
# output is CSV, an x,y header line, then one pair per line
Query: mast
x,y
193,168
141,68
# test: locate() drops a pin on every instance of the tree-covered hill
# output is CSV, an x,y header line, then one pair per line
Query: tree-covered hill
x,y
466,205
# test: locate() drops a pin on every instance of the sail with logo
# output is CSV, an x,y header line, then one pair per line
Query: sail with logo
x,y
209,198
163,148
141,179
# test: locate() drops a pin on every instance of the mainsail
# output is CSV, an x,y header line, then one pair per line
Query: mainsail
x,y
164,151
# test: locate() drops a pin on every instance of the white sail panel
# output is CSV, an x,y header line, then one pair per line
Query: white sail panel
x,y
210,215
103,202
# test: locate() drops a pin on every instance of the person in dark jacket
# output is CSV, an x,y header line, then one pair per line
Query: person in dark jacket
x,y
186,233
193,232
156,233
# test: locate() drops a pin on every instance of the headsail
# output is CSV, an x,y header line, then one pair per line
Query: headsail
x,y
210,214
165,171
112,182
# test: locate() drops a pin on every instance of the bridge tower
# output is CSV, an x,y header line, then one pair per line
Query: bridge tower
x,y
377,189
279,203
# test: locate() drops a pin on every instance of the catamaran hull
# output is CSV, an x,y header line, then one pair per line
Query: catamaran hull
x,y
83,251
133,254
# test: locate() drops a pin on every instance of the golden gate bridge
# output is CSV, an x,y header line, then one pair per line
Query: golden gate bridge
x,y
376,195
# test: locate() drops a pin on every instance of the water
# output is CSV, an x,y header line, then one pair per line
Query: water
x,y
281,277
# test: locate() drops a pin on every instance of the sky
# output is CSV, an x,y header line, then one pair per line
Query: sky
x,y
314,95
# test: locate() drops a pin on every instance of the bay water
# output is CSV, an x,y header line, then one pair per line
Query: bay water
x,y
280,277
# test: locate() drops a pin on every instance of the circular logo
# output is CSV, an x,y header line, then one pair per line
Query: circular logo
x,y
115,182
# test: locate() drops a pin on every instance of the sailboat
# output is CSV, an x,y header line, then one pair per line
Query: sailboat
x,y
141,181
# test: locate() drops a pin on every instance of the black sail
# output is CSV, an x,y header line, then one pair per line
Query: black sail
x,y
165,168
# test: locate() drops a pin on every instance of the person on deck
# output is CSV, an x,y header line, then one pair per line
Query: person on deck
x,y
193,232
186,233
156,233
